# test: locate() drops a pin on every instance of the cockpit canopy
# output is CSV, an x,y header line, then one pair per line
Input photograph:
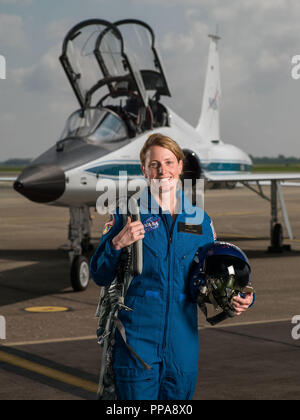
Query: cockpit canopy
x,y
119,57
139,44
97,125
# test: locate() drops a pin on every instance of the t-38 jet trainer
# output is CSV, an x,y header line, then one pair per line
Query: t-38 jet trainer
x,y
118,79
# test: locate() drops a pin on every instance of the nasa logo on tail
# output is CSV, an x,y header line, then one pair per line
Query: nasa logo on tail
x,y
213,102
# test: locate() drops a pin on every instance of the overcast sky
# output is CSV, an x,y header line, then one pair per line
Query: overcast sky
x,y
260,100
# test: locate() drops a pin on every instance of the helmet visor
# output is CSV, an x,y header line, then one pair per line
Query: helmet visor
x,y
217,266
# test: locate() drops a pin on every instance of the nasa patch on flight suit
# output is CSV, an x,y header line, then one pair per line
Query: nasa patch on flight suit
x,y
109,225
151,223
188,228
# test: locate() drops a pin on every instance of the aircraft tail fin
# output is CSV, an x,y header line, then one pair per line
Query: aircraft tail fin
x,y
209,122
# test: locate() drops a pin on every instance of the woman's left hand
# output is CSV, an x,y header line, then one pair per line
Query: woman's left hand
x,y
242,304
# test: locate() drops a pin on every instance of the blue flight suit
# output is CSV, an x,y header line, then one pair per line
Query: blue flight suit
x,y
163,327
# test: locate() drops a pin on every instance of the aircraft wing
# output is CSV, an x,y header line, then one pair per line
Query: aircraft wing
x,y
253,177
280,179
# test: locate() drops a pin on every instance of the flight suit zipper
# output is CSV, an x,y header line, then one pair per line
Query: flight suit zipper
x,y
170,238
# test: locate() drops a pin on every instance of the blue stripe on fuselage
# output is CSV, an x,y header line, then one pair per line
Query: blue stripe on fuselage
x,y
227,167
114,169
134,169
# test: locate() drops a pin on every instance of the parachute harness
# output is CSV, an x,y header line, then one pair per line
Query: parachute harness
x,y
110,303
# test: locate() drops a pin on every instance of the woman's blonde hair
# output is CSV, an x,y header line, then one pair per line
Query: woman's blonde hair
x,y
162,141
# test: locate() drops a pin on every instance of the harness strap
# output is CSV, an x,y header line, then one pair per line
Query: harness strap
x,y
131,265
119,325
212,320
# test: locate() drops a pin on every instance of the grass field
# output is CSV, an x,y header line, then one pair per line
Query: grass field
x,y
277,168
15,169
256,168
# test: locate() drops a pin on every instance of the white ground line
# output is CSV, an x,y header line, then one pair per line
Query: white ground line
x,y
243,324
94,337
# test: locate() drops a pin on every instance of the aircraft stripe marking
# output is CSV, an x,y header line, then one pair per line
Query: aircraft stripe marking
x,y
48,372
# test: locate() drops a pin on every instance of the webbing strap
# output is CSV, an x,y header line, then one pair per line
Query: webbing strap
x,y
131,265
119,325
212,320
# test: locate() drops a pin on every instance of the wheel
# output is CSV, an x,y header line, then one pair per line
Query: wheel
x,y
80,273
277,236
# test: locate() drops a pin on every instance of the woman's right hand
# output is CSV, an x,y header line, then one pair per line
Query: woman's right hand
x,y
132,232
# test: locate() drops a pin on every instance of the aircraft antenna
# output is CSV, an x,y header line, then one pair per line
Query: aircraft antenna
x,y
215,36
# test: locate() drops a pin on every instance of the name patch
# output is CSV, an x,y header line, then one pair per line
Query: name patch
x,y
186,228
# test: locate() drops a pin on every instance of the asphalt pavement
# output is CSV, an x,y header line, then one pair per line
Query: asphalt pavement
x,y
54,355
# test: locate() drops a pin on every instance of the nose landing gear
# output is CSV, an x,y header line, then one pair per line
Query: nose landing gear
x,y
80,273
81,248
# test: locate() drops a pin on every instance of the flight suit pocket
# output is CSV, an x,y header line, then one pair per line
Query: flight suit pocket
x,y
151,261
143,323
186,263
136,384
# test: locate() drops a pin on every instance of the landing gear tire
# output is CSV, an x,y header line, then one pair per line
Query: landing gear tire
x,y
80,273
277,245
277,237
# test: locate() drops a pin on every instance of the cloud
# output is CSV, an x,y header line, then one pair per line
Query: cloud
x,y
258,41
57,30
16,2
44,76
12,33
260,100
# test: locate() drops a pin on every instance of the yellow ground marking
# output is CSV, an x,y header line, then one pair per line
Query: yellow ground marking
x,y
48,372
46,309
82,383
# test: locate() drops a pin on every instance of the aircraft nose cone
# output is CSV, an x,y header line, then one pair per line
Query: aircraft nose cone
x,y
41,183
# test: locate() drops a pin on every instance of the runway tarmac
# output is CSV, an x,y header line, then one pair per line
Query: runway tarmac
x,y
54,355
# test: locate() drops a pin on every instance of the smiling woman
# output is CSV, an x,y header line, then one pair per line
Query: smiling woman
x,y
162,328
162,164
162,141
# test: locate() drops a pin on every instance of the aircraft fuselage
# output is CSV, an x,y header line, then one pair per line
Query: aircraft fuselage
x,y
68,176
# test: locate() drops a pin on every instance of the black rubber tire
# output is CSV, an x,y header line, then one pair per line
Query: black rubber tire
x,y
80,273
277,236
